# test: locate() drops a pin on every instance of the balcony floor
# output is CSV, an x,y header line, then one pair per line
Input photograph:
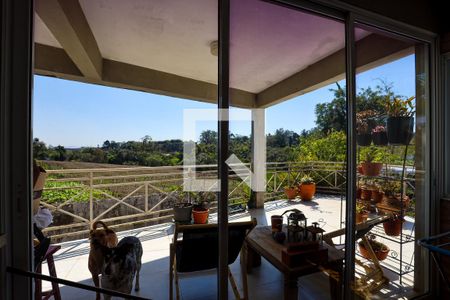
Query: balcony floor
x,y
265,282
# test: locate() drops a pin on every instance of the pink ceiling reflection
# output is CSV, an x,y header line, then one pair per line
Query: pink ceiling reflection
x,y
268,43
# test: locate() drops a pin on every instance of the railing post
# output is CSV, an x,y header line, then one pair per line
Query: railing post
x,y
275,180
289,174
335,179
146,197
91,203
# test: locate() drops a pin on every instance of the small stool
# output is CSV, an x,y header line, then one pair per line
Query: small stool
x,y
52,271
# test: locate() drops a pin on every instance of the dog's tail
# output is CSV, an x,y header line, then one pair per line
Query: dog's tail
x,y
96,223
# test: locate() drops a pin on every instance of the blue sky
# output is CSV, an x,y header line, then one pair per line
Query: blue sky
x,y
76,114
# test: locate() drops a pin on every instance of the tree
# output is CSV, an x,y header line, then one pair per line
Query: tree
x,y
331,147
333,115
208,137
282,138
61,154
40,150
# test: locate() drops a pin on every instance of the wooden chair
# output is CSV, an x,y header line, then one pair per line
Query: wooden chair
x,y
55,292
374,278
197,250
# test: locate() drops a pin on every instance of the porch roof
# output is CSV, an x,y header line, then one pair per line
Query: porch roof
x,y
163,47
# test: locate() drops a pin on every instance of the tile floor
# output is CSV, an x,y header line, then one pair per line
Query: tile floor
x,y
265,282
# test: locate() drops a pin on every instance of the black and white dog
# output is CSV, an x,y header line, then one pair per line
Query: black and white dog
x,y
122,264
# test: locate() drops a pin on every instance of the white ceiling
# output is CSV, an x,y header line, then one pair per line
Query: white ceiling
x,y
42,34
173,36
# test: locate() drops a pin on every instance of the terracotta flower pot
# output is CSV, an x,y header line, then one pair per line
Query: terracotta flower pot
x,y
371,168
307,191
360,170
396,203
393,227
381,255
377,196
361,217
200,216
366,194
291,193
358,193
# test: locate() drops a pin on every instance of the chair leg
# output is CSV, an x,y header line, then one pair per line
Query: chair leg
x,y
244,267
38,284
233,285
52,271
177,286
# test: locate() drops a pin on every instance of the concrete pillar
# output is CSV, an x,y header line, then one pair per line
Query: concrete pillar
x,y
258,158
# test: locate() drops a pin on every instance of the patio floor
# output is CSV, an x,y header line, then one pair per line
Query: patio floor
x,y
265,282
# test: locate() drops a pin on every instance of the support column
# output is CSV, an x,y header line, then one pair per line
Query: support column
x,y
258,158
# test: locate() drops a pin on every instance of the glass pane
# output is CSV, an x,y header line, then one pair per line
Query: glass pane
x,y
121,109
392,152
287,78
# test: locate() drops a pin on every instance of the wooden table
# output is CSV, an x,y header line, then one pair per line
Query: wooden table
x,y
259,242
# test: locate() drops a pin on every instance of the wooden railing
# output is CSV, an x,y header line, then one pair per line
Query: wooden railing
x,y
129,196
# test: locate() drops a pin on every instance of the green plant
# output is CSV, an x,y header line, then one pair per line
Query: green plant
x,y
307,180
371,154
398,107
391,187
360,208
69,190
364,120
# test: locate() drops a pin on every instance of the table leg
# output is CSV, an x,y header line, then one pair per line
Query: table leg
x,y
335,278
290,287
252,258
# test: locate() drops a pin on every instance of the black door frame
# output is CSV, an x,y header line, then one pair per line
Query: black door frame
x,y
15,140
16,132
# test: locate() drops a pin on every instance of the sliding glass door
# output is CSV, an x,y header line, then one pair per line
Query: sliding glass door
x,y
288,125
392,135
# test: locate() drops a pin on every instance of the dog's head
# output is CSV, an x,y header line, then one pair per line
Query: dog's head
x,y
103,237
118,261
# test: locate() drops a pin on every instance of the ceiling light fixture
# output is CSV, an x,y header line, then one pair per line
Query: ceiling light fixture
x,y
214,48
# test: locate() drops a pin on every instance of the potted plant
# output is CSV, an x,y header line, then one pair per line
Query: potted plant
x,y
361,213
363,127
392,191
200,210
307,188
371,165
377,193
291,191
182,209
379,136
400,121
394,226
358,192
366,193
381,250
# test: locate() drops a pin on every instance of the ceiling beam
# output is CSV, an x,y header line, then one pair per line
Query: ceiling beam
x,y
66,21
371,51
52,61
